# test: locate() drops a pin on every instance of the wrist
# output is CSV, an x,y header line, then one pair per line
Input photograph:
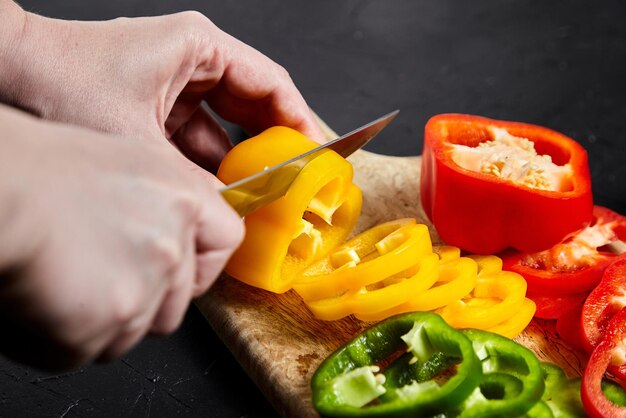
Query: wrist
x,y
28,53
13,19
12,31
20,227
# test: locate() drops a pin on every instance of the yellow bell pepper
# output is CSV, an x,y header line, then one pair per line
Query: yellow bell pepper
x,y
447,252
372,256
456,278
513,326
487,264
494,299
495,302
382,295
316,214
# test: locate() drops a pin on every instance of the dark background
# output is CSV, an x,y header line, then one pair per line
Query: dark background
x,y
559,64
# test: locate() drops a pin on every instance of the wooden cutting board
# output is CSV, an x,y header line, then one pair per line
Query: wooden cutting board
x,y
280,344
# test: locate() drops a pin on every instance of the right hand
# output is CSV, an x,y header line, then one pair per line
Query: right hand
x,y
109,238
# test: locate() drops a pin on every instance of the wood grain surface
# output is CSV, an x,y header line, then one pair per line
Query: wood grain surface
x,y
277,340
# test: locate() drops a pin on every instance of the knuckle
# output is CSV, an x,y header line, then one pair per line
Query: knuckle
x,y
194,17
283,73
195,27
196,24
165,253
185,205
124,308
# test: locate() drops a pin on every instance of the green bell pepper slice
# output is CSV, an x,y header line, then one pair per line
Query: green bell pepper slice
x,y
408,365
513,381
562,394
540,410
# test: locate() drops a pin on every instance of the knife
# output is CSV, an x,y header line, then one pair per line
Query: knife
x,y
260,189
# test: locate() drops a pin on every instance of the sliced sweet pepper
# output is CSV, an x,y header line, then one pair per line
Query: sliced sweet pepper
x,y
555,306
529,203
539,410
513,326
447,252
608,353
497,296
562,395
513,381
456,279
316,214
383,295
358,379
576,264
569,328
606,300
372,256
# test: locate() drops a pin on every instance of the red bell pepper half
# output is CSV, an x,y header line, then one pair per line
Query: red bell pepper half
x,y
576,264
603,303
609,348
485,214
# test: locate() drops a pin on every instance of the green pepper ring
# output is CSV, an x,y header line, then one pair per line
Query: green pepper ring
x,y
379,343
505,357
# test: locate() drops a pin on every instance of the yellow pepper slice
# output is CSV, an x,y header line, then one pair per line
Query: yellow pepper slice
x,y
447,252
456,278
381,252
496,297
487,264
514,326
379,296
316,214
497,302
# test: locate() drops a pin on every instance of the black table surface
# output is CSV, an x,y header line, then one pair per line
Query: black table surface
x,y
558,64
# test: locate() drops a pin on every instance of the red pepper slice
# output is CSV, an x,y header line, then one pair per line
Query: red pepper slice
x,y
577,263
554,306
595,402
569,328
603,303
484,214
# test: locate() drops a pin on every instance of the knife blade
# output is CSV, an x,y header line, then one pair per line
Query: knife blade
x,y
260,189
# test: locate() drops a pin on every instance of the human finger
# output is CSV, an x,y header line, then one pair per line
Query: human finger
x,y
176,300
220,231
131,333
257,93
203,140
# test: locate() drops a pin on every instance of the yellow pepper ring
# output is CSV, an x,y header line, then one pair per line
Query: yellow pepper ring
x,y
447,252
496,297
456,278
487,264
323,280
367,301
514,326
